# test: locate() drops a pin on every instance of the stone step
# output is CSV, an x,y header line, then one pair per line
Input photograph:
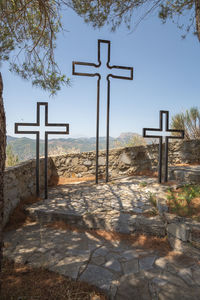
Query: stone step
x,y
185,174
109,221
123,206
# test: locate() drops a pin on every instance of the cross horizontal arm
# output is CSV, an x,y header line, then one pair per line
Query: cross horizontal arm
x,y
181,136
58,125
26,124
151,135
74,63
121,68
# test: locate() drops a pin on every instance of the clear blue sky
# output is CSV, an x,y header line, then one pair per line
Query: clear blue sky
x,y
166,76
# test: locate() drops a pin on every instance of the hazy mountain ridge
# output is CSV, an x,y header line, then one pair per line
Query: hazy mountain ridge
x,y
24,148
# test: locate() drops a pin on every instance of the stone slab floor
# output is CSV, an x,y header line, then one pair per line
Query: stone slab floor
x,y
121,205
124,271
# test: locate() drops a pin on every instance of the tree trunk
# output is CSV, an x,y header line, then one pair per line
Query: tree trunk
x,y
2,165
197,15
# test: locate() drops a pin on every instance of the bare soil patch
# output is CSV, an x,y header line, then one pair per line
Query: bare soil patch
x,y
26,283
68,180
19,217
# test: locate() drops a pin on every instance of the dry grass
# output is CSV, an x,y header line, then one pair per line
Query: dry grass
x,y
56,180
145,173
68,180
26,283
187,165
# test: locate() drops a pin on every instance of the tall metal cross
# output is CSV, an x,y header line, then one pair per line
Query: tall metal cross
x,y
37,132
130,77
166,132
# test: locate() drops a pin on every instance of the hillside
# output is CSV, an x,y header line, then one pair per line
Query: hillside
x,y
24,148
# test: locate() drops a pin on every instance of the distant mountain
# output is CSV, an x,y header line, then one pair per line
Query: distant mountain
x,y
127,135
25,147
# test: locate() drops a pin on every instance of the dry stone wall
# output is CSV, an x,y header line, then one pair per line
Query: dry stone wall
x,y
20,180
124,161
19,183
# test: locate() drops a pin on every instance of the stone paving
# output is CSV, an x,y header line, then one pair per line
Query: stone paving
x,y
121,205
122,270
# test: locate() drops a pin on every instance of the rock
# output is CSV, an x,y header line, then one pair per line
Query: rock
x,y
186,275
125,159
129,254
98,260
195,236
87,163
147,262
101,251
133,287
69,266
161,262
175,288
175,243
180,231
130,266
161,204
196,276
102,161
152,225
98,276
113,264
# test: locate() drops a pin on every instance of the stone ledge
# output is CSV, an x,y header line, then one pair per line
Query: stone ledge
x,y
161,204
187,174
180,229
117,222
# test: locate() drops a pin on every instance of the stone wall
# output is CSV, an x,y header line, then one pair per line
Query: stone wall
x,y
124,161
20,180
19,183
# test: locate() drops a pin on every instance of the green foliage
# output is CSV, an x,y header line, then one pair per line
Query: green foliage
x,y
11,159
28,40
181,202
189,122
28,30
114,12
143,184
152,199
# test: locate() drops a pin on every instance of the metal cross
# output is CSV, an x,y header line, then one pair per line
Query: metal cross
x,y
37,132
130,77
163,133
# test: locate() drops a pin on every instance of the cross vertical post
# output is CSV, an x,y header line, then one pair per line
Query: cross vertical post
x,y
37,132
129,77
167,134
